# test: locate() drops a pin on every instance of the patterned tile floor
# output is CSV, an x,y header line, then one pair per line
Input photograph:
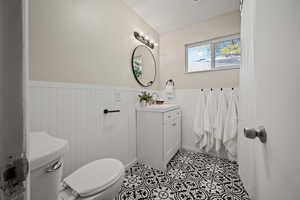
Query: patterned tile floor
x,y
189,176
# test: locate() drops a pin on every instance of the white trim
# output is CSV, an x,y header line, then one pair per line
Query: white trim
x,y
130,164
205,89
47,84
25,67
188,148
213,40
216,69
226,38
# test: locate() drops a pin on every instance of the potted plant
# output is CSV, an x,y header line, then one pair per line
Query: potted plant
x,y
145,98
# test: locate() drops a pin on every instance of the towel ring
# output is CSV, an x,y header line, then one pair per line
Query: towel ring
x,y
170,81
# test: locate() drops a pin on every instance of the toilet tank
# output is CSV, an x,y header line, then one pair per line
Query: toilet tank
x,y
46,165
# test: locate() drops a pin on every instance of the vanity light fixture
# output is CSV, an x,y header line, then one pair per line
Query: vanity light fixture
x,y
145,40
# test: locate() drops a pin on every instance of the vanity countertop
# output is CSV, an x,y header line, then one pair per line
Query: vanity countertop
x,y
158,108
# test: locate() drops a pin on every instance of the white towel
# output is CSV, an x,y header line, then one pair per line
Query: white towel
x,y
169,91
220,121
210,112
231,126
201,138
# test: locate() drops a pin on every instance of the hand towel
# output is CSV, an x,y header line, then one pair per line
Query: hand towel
x,y
201,138
209,119
169,91
231,126
220,121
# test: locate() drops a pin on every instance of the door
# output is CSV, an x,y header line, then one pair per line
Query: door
x,y
13,163
270,97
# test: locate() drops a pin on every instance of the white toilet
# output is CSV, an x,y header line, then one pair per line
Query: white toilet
x,y
98,180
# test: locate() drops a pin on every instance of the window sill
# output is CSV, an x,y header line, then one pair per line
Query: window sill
x,y
215,69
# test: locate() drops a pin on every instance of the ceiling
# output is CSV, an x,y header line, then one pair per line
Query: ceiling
x,y
169,15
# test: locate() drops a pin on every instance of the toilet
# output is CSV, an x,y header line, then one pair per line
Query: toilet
x,y
97,180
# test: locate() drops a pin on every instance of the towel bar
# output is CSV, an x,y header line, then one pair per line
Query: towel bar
x,y
106,111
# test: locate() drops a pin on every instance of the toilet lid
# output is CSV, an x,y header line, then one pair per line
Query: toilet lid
x,y
95,177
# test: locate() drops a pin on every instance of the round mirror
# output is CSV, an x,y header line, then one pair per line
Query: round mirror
x,y
143,66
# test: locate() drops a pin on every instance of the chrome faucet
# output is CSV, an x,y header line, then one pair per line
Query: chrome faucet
x,y
156,96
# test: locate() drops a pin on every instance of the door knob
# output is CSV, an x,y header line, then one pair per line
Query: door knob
x,y
252,133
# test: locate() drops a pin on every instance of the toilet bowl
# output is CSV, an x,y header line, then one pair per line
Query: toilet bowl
x,y
98,180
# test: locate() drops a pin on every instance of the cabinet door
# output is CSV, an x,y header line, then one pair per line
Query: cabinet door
x,y
171,138
178,133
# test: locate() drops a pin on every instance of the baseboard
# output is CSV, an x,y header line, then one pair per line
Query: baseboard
x,y
188,148
130,164
194,149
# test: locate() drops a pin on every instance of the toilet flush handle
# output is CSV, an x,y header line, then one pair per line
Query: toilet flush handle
x,y
54,167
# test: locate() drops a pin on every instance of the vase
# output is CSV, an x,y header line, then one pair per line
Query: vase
x,y
143,103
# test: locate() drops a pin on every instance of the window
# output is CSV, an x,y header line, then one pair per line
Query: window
x,y
216,54
199,58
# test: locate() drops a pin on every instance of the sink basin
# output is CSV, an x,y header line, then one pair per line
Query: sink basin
x,y
44,148
158,107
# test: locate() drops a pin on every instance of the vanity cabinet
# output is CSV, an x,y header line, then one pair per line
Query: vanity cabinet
x,y
158,134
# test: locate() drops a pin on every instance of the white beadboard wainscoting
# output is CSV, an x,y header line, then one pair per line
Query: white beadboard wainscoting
x,y
75,112
187,100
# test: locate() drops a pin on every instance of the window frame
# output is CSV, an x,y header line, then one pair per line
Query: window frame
x,y
212,43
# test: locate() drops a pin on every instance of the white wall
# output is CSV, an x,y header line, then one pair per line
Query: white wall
x,y
84,41
172,53
75,112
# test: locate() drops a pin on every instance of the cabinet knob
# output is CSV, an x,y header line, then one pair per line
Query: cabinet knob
x,y
174,124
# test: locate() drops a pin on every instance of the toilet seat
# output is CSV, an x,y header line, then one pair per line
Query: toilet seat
x,y
95,177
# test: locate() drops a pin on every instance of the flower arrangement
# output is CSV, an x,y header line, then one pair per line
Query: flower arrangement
x,y
145,97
